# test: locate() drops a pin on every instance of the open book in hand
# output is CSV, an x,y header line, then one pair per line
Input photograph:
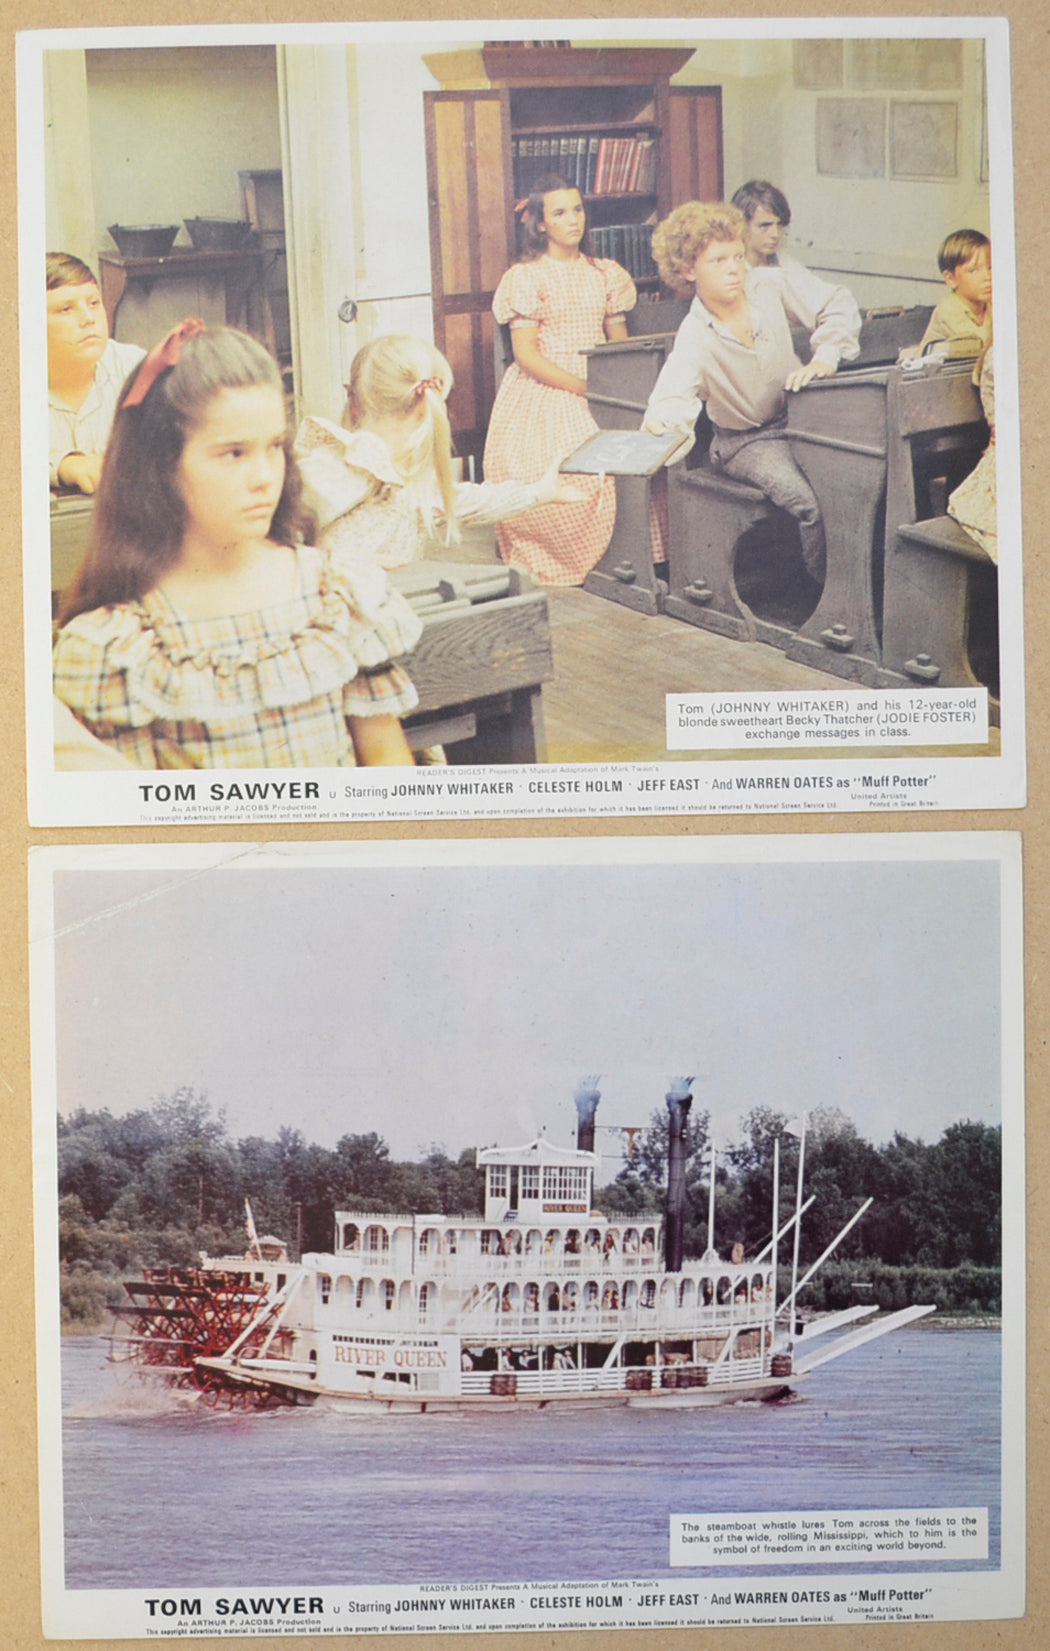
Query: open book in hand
x,y
626,453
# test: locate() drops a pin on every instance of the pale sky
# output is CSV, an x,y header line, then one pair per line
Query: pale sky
x,y
460,1004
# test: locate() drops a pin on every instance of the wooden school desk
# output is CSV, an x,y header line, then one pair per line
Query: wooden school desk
x,y
881,448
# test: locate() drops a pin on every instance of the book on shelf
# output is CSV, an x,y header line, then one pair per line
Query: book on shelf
x,y
593,145
593,164
629,244
624,166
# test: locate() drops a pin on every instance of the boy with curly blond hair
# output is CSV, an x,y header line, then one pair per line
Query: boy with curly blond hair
x,y
734,352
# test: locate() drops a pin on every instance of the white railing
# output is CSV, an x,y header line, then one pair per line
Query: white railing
x,y
532,1263
484,1315
550,1383
547,1382
739,1370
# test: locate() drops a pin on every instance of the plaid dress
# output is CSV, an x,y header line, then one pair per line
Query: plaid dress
x,y
532,424
269,689
973,504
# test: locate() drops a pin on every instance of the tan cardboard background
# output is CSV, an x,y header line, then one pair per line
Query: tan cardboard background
x,y
19,1528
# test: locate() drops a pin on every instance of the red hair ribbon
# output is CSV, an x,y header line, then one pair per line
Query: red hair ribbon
x,y
160,358
419,390
519,207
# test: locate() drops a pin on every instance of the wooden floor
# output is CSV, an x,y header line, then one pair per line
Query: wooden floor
x,y
613,668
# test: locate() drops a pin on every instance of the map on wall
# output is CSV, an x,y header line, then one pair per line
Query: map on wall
x,y
924,140
905,65
851,137
818,64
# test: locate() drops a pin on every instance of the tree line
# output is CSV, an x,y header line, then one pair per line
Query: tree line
x,y
162,1183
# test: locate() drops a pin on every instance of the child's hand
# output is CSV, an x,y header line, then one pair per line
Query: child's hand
x,y
805,375
554,488
81,470
570,492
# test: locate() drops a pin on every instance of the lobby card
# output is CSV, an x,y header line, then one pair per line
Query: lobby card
x,y
704,667
546,1236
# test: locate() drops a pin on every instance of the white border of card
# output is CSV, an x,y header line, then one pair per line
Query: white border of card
x,y
947,907
842,748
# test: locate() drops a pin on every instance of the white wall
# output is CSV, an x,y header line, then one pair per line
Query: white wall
x,y
387,86
879,234
168,129
171,127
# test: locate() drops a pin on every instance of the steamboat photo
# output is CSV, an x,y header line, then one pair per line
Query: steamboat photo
x,y
374,1237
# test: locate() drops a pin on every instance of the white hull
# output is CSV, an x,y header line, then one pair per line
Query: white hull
x,y
760,1389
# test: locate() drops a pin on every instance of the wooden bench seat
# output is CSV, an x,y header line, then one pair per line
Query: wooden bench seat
x,y
481,661
708,514
939,584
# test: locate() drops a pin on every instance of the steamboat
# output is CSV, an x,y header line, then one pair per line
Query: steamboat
x,y
540,1300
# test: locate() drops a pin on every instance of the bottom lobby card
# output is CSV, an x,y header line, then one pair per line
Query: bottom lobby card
x,y
529,1235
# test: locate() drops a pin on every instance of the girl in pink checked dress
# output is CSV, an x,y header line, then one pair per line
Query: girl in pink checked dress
x,y
558,300
201,631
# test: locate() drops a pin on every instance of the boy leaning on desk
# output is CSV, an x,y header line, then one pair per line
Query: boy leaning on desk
x,y
734,352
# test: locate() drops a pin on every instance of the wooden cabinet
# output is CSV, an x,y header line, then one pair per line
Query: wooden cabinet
x,y
508,109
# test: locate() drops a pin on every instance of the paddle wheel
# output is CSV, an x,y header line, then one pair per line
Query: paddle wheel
x,y
177,1316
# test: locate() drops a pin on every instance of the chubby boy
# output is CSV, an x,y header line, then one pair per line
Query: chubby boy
x,y
86,370
964,315
734,352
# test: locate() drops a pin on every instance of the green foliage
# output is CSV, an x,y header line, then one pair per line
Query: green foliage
x,y
961,1291
160,1185
88,1298
936,1206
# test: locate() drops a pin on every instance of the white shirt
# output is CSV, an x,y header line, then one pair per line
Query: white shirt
x,y
743,384
87,429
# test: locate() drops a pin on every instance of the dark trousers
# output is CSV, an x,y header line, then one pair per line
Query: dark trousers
x,y
764,459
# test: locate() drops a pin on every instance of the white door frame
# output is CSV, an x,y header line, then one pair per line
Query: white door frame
x,y
319,209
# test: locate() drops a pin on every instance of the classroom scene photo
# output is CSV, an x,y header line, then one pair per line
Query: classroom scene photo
x,y
459,402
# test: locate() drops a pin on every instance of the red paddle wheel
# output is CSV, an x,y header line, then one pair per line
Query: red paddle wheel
x,y
177,1316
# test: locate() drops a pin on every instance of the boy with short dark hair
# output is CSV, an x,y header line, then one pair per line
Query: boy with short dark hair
x,y
963,318
767,218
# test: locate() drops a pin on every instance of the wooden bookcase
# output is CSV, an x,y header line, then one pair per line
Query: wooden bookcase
x,y
482,129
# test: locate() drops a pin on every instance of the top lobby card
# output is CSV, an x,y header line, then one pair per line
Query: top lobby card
x,y
805,613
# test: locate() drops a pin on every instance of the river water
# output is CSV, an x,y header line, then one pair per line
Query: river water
x,y
160,1492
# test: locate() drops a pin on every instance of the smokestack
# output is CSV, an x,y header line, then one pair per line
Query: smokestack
x,y
586,1097
679,1100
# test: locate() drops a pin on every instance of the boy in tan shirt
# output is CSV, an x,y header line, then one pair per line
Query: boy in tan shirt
x,y
963,318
